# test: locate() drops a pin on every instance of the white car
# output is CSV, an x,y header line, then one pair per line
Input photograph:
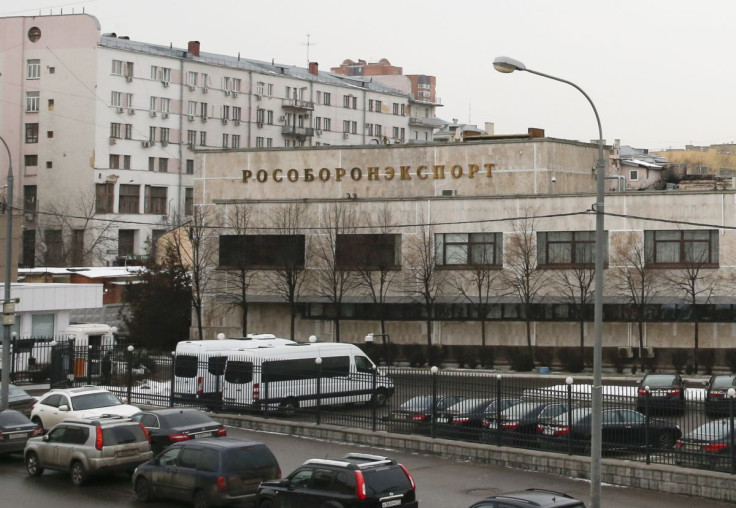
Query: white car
x,y
83,402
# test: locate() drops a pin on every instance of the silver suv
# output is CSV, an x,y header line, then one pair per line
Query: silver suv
x,y
87,446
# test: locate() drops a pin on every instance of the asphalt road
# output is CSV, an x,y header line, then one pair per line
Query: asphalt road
x,y
441,483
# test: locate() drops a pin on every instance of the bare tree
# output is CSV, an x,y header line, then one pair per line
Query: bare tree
x,y
576,287
638,283
522,273
72,235
288,278
332,279
694,283
378,270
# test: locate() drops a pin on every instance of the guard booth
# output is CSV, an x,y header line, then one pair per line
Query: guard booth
x,y
62,363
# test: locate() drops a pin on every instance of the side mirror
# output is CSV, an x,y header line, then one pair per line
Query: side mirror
x,y
284,482
46,437
63,407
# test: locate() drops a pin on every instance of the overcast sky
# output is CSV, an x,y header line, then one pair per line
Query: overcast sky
x,y
660,72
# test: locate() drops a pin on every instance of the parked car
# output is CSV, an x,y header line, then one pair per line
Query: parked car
x,y
89,446
357,480
707,446
415,414
171,425
666,393
518,423
537,498
465,419
15,430
622,428
716,394
84,402
20,400
207,472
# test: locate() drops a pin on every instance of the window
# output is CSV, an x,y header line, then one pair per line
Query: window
x,y
236,140
30,160
376,251
53,240
151,163
396,108
260,114
226,112
319,97
29,198
42,326
129,199
262,251
354,127
225,141
396,133
202,138
402,133
236,113
259,141
116,99
370,104
155,199
152,105
287,92
681,248
152,134
164,105
128,131
192,78
33,102
189,201
236,84
269,142
327,123
28,251
51,104
634,175
345,101
354,102
34,69
346,125
52,70
126,242
260,87
163,165
369,129
468,249
567,248
403,110
165,74
49,164
191,138
192,108
117,67
379,130
378,106
164,135
318,122
114,161
226,83
77,247
190,166
205,80
104,194
31,133
203,109
115,130
270,89
128,100
269,117
326,98
126,161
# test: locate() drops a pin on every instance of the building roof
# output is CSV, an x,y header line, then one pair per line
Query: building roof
x,y
101,272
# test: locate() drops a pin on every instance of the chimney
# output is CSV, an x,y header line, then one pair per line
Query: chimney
x,y
314,68
193,48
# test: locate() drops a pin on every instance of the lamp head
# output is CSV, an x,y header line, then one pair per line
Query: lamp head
x,y
507,65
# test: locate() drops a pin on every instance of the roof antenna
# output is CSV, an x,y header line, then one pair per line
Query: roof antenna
x,y
307,45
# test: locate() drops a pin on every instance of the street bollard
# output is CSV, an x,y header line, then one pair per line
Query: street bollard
x,y
173,378
731,395
374,402
497,430
568,381
433,415
130,373
318,361
647,393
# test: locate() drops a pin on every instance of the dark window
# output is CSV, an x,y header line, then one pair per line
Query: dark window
x,y
250,459
30,160
468,249
262,251
29,248
336,366
54,247
190,165
239,372
29,198
289,370
567,248
155,200
114,161
126,242
186,366
209,460
77,247
381,251
386,479
189,201
123,434
129,199
105,197
689,247
189,457
216,365
31,133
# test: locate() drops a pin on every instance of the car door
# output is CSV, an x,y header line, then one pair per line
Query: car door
x,y
612,433
162,477
184,478
634,424
73,437
299,493
48,410
48,451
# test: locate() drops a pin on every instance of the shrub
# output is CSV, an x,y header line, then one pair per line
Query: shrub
x,y
731,359
544,356
679,359
487,357
521,359
706,359
571,359
435,356
618,362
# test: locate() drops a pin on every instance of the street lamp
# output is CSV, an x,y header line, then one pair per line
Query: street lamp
x,y
507,65
8,306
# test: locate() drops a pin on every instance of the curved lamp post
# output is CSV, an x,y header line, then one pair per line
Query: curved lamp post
x,y
507,65
8,306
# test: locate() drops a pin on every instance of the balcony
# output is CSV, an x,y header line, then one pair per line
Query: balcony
x,y
299,132
296,104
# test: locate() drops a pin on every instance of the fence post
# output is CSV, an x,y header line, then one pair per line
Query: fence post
x,y
88,370
731,395
173,378
647,393
568,381
374,402
130,372
498,410
433,415
318,361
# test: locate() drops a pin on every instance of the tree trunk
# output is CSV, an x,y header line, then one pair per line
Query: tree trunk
x,y
245,319
641,344
697,340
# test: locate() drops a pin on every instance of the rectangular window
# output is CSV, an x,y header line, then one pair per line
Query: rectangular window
x,y
116,99
354,127
165,74
164,105
236,140
346,125
469,249
379,130
165,135
192,78
129,199
345,101
403,110
269,117
368,251
226,112
30,160
369,129
152,134
567,248
326,98
328,124
259,142
269,142
693,247
402,133
205,81
236,83
191,138
396,108
633,175
190,166
225,141
28,253
354,102
104,197
128,131
163,165
192,108
151,163
378,106
203,109
189,201
114,161
260,88
236,113
126,161
262,251
117,67
318,122
77,247
319,97
126,242
260,114
202,138
31,133
155,200
29,198
370,104
396,133
270,89
33,102
128,100
115,130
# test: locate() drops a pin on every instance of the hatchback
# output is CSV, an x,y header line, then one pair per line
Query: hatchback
x,y
171,425
666,393
207,472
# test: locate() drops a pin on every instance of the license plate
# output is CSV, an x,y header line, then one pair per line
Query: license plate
x,y
658,393
201,435
548,432
392,502
492,425
443,420
126,453
22,435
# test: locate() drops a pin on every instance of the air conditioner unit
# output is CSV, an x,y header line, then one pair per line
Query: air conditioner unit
x,y
145,144
203,118
449,192
153,114
128,78
258,97
227,92
191,87
318,132
120,109
191,146
205,89
235,94
164,115
164,143
30,217
647,352
165,83
131,111
259,124
224,121
626,352
345,135
190,117
236,122
113,141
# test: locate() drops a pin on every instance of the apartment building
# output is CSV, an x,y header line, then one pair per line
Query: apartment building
x,y
103,130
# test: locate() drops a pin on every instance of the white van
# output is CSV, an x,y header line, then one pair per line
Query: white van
x,y
199,365
286,377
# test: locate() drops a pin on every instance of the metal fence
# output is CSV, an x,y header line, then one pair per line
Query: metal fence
x,y
664,426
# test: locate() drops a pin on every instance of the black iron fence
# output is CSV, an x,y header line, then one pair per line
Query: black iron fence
x,y
676,425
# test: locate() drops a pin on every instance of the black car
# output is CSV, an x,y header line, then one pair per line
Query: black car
x,y
716,394
415,414
666,393
707,446
465,420
15,430
20,400
208,472
172,425
537,498
357,480
518,423
621,428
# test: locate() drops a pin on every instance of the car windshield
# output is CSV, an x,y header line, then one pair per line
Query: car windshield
x,y
520,410
94,400
123,434
184,418
14,391
386,479
576,414
660,380
714,430
724,382
467,405
417,403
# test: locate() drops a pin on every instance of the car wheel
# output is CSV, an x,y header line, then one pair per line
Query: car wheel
x,y
666,441
289,407
266,503
78,473
37,421
143,490
200,500
33,465
380,397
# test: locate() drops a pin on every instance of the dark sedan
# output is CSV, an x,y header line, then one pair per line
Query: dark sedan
x,y
707,446
716,394
666,393
621,429
518,424
415,414
15,430
20,400
172,425
465,420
